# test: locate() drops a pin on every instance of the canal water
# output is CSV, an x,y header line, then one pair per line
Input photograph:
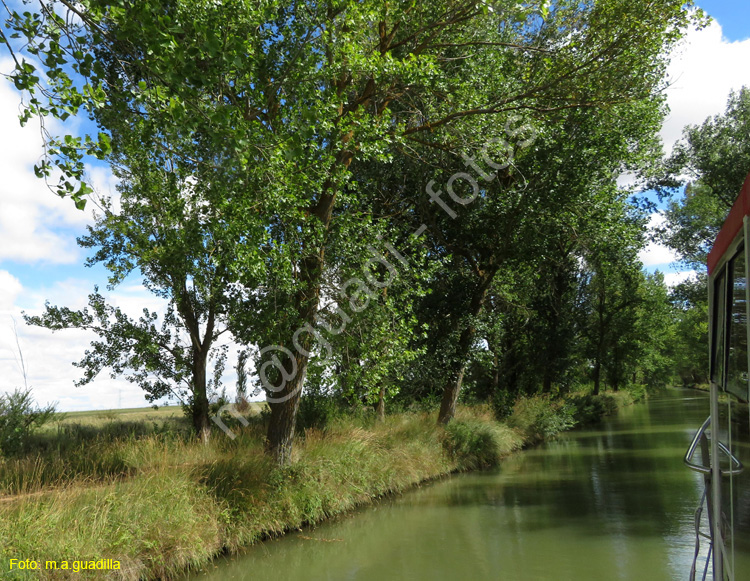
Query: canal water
x,y
610,503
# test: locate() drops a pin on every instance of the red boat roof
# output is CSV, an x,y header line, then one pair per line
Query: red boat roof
x,y
732,225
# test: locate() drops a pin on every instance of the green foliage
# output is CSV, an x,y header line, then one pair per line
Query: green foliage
x,y
317,410
654,337
473,443
639,392
540,418
690,300
716,153
589,408
712,160
502,404
20,417
692,223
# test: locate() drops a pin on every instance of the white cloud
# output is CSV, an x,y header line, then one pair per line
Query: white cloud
x,y
10,288
35,224
626,180
48,359
132,299
675,278
655,254
705,68
703,71
30,210
48,356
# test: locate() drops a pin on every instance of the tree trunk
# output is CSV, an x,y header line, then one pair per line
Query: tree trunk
x,y
453,387
495,373
280,436
200,397
199,358
284,403
380,409
450,396
280,433
597,375
599,342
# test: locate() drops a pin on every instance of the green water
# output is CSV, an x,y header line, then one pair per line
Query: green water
x,y
615,502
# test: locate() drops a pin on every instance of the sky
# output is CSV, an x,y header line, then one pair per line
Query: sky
x,y
704,69
40,261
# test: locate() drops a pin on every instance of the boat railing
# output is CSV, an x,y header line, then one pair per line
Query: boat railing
x,y
715,546
735,465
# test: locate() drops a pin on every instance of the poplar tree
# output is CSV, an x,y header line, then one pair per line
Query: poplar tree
x,y
277,99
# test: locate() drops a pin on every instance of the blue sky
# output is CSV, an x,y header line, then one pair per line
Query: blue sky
x,y
733,15
40,261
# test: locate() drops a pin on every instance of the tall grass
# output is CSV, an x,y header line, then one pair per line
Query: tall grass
x,y
83,452
474,441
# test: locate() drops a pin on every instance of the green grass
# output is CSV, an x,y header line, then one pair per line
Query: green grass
x,y
94,447
161,502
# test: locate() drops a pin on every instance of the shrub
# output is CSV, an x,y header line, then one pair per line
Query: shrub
x,y
638,392
472,443
19,418
502,404
539,418
316,410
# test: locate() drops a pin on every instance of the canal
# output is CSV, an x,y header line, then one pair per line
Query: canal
x,y
610,503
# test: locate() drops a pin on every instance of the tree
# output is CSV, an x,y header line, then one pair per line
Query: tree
x,y
653,360
369,337
611,290
690,303
717,152
280,97
168,230
535,212
712,161
535,334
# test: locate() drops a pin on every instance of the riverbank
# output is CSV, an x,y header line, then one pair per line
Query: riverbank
x,y
617,492
177,504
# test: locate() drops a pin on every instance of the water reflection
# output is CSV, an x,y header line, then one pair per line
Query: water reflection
x,y
612,503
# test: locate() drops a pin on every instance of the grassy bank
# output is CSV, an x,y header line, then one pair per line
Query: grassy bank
x,y
159,503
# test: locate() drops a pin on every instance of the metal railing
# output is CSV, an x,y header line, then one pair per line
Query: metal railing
x,y
706,469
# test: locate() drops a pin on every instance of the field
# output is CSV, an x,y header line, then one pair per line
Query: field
x,y
144,414
172,414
